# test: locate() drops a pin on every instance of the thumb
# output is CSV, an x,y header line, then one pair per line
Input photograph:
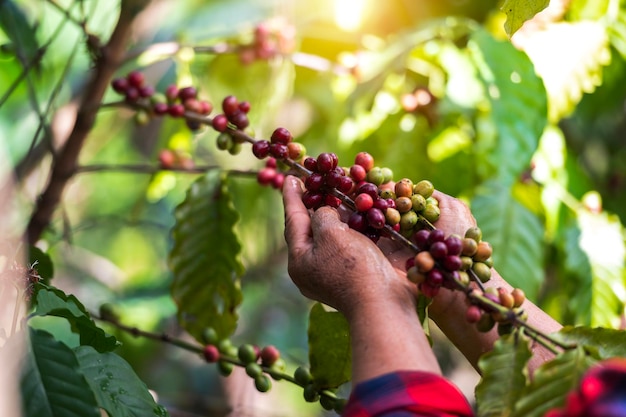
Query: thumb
x,y
297,219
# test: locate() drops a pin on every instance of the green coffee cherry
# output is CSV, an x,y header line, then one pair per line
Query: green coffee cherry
x,y
247,353
482,271
310,393
302,376
431,213
253,370
474,233
224,368
262,383
209,336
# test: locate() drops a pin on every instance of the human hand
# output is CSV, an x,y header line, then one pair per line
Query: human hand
x,y
333,264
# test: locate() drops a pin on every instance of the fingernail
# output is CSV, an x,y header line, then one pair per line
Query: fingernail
x,y
293,181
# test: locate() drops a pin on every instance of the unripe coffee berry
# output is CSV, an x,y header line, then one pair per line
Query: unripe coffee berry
x,y
474,233
518,297
424,187
262,383
302,376
482,271
225,368
375,176
424,261
431,213
253,370
469,246
483,252
247,353
403,204
404,188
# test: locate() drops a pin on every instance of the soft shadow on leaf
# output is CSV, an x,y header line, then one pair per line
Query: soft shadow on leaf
x,y
329,347
517,12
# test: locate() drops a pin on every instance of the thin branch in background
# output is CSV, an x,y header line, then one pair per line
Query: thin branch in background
x,y
152,169
68,15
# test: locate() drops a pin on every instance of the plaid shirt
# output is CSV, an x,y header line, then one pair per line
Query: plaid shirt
x,y
407,394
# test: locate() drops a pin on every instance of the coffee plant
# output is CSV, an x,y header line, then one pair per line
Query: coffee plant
x,y
101,278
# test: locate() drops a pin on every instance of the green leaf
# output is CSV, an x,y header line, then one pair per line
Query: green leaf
x,y
551,383
50,301
519,11
117,388
603,242
205,258
329,347
14,23
608,343
51,383
503,373
516,235
514,90
42,263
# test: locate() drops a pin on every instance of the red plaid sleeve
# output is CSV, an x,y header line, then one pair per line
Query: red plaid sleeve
x,y
407,394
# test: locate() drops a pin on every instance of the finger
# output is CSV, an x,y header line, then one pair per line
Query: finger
x,y
297,219
325,220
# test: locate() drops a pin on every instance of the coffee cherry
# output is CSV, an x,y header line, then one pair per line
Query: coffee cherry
x,y
225,368
375,217
160,109
414,275
387,174
327,402
205,107
463,277
358,173
132,94
365,160
167,159
518,297
253,370
326,162
135,79
403,204
312,199
278,181
438,250
247,353
266,175
358,221
482,271
408,220
436,235
211,353
469,246
230,106
392,216
421,239
281,135
388,194
302,376
310,393
279,150
146,91
262,383
466,263
375,176
296,150
404,188
224,141
331,201
474,233
187,93
310,164
345,185
269,355
220,123
485,323
454,245
424,187
245,106
240,120
363,202
434,278
209,336
171,93
431,213
334,177
506,298
418,202
176,110
314,182
473,314
424,262
483,252
260,148
428,290
452,262
120,85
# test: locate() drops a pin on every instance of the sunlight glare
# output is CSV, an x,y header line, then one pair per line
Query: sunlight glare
x,y
349,14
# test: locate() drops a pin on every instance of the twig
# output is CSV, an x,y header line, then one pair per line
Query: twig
x,y
152,169
65,164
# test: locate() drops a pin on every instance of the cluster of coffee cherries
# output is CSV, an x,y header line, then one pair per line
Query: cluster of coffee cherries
x,y
486,317
174,102
269,40
262,363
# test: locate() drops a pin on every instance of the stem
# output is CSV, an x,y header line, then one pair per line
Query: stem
x,y
153,169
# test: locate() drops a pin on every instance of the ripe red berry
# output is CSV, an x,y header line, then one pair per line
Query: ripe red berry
x,y
146,91
171,92
260,148
375,218
281,135
436,235
310,164
279,150
240,120
160,108
326,162
333,178
358,222
314,182
167,159
434,278
271,162
363,202
135,78
120,85
438,250
266,176
211,353
452,262
345,185
230,105
205,107
454,245
192,104
358,173
332,201
368,188
473,314
220,123
278,181
428,290
132,94
312,199
244,106
365,160
381,204
187,93
176,110
421,239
